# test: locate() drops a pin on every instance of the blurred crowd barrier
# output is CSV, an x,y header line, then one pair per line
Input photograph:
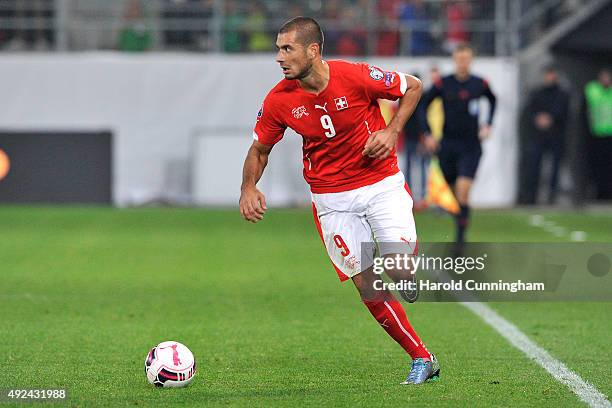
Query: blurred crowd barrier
x,y
181,144
352,27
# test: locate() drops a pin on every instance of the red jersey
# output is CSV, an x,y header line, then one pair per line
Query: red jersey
x,y
334,124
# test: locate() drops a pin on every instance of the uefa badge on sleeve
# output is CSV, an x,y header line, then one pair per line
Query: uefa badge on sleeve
x,y
376,74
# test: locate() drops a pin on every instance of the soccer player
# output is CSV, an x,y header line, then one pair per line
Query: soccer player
x,y
358,191
459,151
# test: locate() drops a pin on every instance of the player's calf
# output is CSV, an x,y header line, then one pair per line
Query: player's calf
x,y
403,272
390,314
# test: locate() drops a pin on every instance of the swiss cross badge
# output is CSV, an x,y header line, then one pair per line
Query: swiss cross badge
x,y
341,103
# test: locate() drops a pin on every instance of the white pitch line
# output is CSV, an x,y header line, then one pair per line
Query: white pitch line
x,y
585,391
539,221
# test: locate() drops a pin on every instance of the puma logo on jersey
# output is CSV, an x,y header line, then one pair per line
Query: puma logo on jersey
x,y
322,107
299,112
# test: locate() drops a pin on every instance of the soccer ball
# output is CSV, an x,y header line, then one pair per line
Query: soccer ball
x,y
170,364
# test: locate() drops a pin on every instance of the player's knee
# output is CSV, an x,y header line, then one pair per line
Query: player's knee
x,y
462,199
462,190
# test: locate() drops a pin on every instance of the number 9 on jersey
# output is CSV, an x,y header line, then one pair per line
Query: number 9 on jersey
x,y
327,124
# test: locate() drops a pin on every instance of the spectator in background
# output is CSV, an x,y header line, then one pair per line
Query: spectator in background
x,y
457,12
294,9
484,10
546,114
597,114
233,28
173,12
387,43
193,13
338,32
203,12
256,24
435,111
416,158
35,32
413,16
5,32
353,37
135,36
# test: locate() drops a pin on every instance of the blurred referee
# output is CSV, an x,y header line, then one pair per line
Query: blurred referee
x,y
459,151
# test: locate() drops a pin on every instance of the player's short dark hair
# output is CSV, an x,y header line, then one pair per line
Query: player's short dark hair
x,y
464,47
307,28
551,67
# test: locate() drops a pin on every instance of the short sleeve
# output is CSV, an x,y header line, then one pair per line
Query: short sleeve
x,y
381,84
268,130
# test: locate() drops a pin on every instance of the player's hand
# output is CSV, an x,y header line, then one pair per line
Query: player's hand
x,y
252,204
380,144
484,133
430,143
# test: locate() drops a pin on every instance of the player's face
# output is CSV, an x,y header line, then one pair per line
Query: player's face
x,y
605,78
434,74
463,60
550,78
292,56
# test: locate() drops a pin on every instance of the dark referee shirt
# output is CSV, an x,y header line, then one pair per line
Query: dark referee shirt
x,y
461,106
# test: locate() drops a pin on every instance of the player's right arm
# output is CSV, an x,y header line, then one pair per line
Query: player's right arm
x,y
269,129
253,201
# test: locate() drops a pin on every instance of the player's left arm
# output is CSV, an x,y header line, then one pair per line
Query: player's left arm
x,y
381,143
485,129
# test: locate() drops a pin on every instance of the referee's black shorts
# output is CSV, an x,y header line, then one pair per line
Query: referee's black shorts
x,y
458,159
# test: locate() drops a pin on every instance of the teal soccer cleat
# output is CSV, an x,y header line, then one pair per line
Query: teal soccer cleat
x,y
423,370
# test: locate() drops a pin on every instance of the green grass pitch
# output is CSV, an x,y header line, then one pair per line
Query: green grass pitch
x,y
85,292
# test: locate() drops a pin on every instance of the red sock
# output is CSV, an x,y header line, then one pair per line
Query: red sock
x,y
391,316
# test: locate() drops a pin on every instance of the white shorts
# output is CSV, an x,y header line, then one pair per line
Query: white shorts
x,y
355,224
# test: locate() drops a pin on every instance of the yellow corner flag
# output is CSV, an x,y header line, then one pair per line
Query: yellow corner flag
x,y
438,191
